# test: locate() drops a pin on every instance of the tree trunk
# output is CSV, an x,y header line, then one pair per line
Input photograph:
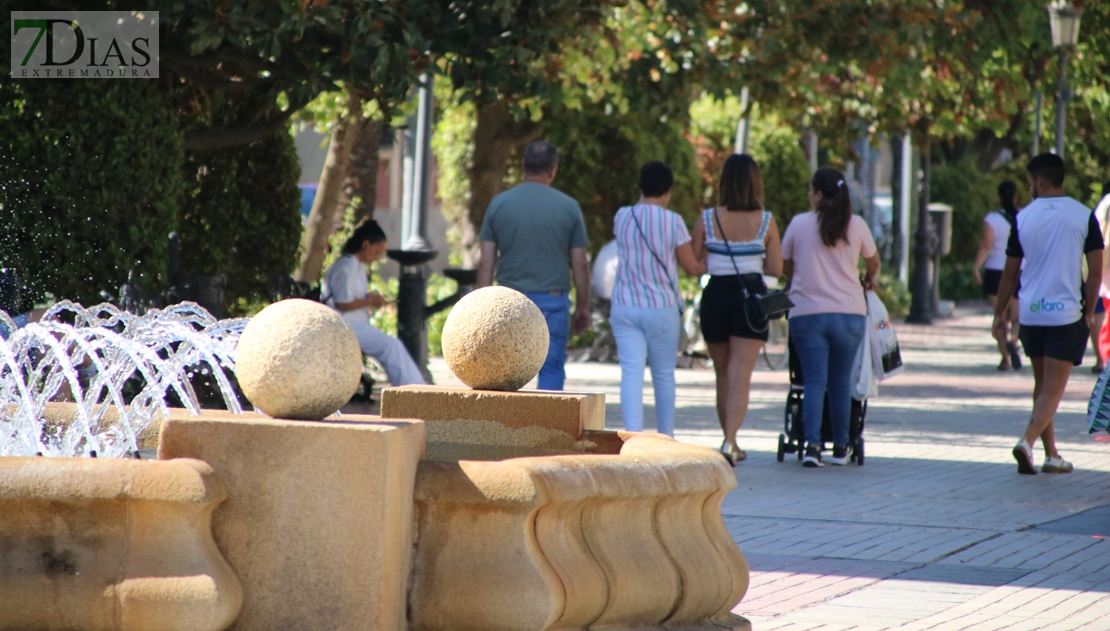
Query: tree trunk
x,y
896,228
496,137
314,240
362,170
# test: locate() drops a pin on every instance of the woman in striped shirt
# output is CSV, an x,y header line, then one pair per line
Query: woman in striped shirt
x,y
740,241
652,242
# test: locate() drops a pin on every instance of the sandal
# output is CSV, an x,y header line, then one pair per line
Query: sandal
x,y
738,455
733,455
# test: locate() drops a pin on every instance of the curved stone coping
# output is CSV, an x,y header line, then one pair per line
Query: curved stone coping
x,y
112,544
634,540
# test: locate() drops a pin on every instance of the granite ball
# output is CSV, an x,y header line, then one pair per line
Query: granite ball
x,y
495,339
298,359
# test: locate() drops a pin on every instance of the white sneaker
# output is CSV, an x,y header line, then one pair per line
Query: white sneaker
x,y
1024,456
1056,465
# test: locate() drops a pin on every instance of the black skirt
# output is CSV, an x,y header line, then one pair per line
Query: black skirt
x,y
722,308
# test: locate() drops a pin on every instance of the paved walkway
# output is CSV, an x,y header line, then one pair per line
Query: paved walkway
x,y
936,530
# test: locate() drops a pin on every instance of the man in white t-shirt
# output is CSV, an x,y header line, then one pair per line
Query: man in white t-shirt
x,y
1053,234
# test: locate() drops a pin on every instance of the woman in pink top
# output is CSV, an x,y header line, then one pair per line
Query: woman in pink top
x,y
821,251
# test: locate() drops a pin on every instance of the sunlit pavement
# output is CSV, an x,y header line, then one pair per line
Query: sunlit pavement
x,y
936,530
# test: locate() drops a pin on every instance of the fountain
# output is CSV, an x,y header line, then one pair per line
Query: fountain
x,y
457,509
156,354
107,543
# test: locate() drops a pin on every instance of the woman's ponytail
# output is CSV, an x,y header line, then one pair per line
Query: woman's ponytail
x,y
1007,195
834,211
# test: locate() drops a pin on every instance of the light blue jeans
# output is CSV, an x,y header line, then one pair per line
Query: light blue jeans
x,y
649,336
556,310
827,344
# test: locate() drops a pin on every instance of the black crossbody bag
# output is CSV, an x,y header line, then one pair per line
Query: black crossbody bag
x,y
765,307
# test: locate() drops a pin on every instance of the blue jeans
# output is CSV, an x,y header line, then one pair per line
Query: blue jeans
x,y
556,310
827,344
651,336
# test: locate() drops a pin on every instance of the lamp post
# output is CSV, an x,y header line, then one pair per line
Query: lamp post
x,y
1063,18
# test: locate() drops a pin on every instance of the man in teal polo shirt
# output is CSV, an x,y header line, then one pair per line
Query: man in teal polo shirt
x,y
535,236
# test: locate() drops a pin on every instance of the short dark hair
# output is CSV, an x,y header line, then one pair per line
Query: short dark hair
x,y
1049,166
741,185
656,179
540,157
368,230
1105,189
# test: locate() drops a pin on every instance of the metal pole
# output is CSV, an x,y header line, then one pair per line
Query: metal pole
x,y
416,253
408,150
743,124
417,236
1037,124
904,210
1061,101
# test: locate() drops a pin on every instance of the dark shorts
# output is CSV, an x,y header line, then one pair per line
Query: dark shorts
x,y
991,279
722,308
1100,305
1067,342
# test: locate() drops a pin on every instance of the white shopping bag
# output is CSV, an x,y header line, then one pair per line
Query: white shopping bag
x,y
864,383
1098,408
886,357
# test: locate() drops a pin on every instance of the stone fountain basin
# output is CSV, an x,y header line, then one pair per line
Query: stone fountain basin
x,y
112,544
624,530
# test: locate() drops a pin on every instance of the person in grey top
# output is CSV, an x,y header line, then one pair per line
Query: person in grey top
x,y
533,234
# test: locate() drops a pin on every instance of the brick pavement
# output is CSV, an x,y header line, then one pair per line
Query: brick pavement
x,y
936,530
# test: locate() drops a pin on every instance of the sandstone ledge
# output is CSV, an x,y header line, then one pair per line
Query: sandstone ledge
x,y
634,540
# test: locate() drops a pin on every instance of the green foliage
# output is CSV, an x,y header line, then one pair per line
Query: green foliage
x,y
90,184
956,281
453,146
895,297
774,145
972,194
241,216
601,156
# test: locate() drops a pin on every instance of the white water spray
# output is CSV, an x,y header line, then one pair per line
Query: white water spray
x,y
138,361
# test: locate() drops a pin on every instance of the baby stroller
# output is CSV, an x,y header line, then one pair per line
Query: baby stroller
x,y
793,440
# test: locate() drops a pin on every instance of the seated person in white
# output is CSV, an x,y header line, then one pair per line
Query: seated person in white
x,y
345,290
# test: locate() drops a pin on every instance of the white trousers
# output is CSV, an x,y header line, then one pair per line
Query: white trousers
x,y
389,351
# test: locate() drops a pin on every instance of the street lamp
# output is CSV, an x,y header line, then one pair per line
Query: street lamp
x,y
1063,19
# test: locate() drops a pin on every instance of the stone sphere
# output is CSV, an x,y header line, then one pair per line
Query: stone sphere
x,y
298,359
495,339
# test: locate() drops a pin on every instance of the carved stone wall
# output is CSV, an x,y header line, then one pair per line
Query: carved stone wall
x,y
112,545
577,541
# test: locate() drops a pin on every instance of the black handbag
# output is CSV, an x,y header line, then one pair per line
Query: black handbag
x,y
769,306
764,307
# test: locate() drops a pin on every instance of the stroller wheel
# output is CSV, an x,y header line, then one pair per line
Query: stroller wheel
x,y
858,455
781,454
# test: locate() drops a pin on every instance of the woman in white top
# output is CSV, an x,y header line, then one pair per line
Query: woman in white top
x,y
345,289
739,241
652,242
992,256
